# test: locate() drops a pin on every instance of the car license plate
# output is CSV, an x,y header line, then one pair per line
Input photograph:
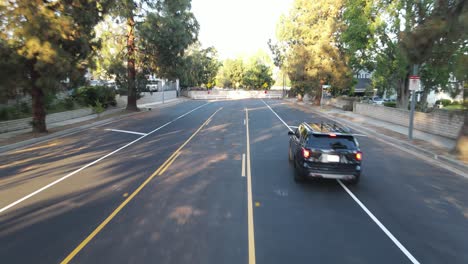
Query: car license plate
x,y
331,158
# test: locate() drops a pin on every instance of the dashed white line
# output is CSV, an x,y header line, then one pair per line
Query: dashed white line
x,y
92,163
250,217
367,211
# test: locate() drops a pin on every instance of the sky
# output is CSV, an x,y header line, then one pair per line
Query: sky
x,y
238,27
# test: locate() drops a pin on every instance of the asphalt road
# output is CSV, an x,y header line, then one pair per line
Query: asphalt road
x,y
210,182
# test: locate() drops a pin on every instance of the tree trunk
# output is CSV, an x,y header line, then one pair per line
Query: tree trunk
x,y
461,147
403,93
318,96
38,108
131,72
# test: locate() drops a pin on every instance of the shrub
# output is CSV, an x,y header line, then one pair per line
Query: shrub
x,y
25,108
389,104
98,107
89,95
69,103
13,112
444,102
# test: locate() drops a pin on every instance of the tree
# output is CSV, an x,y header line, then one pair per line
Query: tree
x,y
313,56
53,40
199,67
165,34
233,71
443,31
258,76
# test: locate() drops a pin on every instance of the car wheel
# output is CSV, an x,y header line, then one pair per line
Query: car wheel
x,y
290,154
298,177
354,181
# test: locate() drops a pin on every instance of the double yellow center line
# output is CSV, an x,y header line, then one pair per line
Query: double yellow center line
x,y
159,171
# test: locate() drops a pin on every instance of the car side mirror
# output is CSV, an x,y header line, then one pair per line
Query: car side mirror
x,y
290,133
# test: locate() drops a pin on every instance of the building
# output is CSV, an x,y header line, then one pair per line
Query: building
x,y
364,82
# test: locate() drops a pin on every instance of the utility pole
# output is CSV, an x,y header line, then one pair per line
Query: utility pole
x,y
414,87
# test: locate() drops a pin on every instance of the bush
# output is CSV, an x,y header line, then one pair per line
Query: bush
x,y
69,103
389,104
444,102
98,108
14,112
89,95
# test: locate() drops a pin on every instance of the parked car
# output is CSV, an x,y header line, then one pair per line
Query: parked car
x,y
376,100
324,151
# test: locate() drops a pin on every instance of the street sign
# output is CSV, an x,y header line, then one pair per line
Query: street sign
x,y
414,83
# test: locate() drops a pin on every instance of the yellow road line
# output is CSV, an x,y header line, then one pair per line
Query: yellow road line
x,y
243,165
250,221
164,166
169,164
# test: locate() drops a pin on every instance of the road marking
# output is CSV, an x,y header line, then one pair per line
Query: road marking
x,y
250,221
161,168
243,165
244,122
34,148
277,115
170,163
379,224
359,135
126,131
384,229
94,162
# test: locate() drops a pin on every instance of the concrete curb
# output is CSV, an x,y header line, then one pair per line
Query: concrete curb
x,y
74,130
443,159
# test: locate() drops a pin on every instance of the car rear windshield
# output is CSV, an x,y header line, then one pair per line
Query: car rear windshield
x,y
328,142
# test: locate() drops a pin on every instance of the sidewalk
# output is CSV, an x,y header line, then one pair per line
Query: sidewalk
x,y
19,138
433,146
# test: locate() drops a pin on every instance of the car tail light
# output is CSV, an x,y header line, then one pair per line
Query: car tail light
x,y
359,156
305,153
332,135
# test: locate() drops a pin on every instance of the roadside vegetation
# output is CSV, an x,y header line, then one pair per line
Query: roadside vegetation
x,y
327,42
49,46
250,73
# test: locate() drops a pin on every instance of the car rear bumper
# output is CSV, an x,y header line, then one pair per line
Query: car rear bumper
x,y
345,177
340,174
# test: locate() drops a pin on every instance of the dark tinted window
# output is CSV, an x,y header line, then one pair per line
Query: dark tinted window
x,y
327,142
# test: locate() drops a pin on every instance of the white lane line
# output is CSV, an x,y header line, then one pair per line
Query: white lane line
x,y
243,165
369,213
277,115
359,135
250,219
92,163
244,122
384,229
126,131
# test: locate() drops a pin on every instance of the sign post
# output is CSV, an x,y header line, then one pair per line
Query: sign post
x,y
414,86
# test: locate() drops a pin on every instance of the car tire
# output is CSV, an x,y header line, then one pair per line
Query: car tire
x,y
354,181
298,177
290,157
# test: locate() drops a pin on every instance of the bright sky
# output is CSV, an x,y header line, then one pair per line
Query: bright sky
x,y
236,27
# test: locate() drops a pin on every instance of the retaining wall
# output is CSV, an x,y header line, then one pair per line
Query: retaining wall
x,y
440,122
239,94
24,123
